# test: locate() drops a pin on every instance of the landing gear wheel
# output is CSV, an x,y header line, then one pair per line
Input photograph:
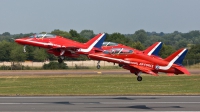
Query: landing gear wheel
x,y
60,60
139,78
120,65
98,66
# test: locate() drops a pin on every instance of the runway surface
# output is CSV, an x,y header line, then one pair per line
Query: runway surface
x,y
62,72
77,72
101,103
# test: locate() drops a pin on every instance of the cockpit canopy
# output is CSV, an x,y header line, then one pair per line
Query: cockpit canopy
x,y
109,44
43,36
118,51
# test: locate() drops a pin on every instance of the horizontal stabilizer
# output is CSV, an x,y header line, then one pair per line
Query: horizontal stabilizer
x,y
183,70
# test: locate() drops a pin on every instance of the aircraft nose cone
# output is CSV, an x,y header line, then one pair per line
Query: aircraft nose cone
x,y
16,40
19,41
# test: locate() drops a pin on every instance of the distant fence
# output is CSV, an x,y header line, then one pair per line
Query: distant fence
x,y
89,63
191,63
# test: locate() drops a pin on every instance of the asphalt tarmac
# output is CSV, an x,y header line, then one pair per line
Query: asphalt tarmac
x,y
77,72
101,103
62,72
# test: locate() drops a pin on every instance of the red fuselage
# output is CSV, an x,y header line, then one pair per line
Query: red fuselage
x,y
136,61
49,43
60,46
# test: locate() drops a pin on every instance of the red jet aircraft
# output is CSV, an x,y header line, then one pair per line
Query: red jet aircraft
x,y
152,51
138,62
61,47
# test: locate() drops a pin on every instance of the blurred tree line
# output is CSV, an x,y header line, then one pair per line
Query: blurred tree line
x,y
10,51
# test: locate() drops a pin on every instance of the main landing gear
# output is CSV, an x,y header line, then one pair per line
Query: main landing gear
x,y
120,65
139,78
98,65
60,59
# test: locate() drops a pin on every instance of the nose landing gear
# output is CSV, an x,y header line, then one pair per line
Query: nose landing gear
x,y
24,48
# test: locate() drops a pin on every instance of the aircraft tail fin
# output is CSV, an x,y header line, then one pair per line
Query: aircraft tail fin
x,y
100,41
153,49
96,42
177,57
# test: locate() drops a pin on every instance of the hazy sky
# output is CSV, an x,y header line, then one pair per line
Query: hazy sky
x,y
123,16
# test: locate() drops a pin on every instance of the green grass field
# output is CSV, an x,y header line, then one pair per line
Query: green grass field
x,y
99,85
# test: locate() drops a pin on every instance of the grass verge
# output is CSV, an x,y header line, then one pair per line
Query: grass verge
x,y
99,85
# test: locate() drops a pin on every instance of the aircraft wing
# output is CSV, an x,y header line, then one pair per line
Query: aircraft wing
x,y
144,69
67,48
62,50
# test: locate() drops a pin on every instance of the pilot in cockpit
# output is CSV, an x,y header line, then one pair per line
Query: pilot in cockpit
x,y
113,51
43,36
